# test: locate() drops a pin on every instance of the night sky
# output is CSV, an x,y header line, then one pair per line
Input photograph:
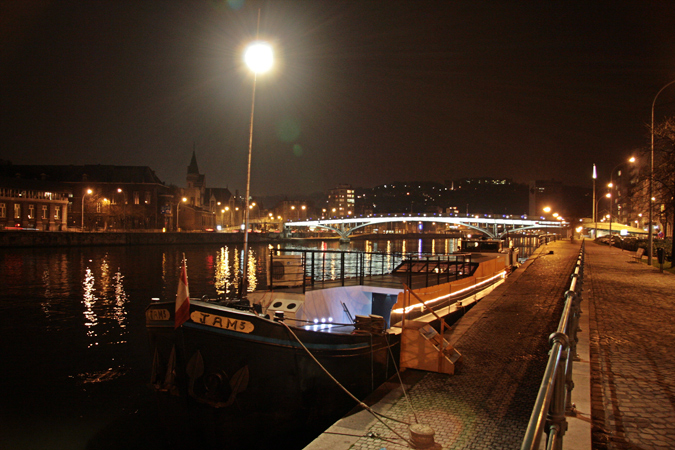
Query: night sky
x,y
363,92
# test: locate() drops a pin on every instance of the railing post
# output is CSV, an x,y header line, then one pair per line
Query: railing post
x,y
303,262
271,276
312,271
556,424
342,267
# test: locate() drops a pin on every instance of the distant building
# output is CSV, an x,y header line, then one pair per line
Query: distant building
x,y
486,195
221,203
33,204
104,197
193,210
291,210
340,201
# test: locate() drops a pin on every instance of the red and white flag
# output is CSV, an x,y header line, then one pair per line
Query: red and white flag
x,y
182,298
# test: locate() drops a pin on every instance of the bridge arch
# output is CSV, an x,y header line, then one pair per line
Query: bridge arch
x,y
531,227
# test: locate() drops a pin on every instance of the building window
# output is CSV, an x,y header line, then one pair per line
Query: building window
x,y
98,207
137,200
3,211
31,211
148,197
44,211
57,212
17,210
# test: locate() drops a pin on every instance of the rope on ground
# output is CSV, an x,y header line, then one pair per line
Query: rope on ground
x,y
400,380
363,405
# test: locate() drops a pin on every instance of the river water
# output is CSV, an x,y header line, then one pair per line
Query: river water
x,y
76,359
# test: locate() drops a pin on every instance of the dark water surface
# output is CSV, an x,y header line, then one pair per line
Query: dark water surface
x,y
76,359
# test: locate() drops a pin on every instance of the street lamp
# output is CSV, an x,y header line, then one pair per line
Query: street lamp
x,y
595,209
611,204
88,191
259,58
595,223
184,199
651,179
119,191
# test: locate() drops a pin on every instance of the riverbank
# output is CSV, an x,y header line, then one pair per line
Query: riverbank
x,y
73,239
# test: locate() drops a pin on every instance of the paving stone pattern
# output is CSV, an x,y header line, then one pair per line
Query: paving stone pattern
x,y
632,313
488,402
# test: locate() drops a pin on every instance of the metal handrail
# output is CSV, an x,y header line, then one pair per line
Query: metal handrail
x,y
354,267
555,392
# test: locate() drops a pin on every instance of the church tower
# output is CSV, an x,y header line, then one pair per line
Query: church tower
x,y
195,183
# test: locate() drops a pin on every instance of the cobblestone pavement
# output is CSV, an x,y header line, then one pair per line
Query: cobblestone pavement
x,y
488,402
632,313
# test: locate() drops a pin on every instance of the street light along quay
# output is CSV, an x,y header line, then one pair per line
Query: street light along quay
x,y
88,191
651,181
183,200
259,58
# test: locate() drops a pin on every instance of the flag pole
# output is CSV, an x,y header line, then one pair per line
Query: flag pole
x,y
182,297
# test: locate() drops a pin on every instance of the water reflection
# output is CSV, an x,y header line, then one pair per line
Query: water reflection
x,y
223,273
89,301
120,300
104,309
252,279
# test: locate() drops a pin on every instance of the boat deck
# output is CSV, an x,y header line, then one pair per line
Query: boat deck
x,y
420,276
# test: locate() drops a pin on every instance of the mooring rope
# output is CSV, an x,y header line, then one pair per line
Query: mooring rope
x,y
400,380
363,405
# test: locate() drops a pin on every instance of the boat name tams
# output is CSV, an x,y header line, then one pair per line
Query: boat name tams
x,y
241,326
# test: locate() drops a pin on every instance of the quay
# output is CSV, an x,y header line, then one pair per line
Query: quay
x,y
624,383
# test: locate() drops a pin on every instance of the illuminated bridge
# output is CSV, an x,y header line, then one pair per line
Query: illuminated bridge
x,y
491,225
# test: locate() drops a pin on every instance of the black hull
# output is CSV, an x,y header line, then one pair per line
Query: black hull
x,y
260,380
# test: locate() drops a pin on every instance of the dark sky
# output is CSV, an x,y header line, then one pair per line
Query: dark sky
x,y
364,92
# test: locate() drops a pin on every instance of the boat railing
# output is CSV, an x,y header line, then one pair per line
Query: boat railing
x,y
315,269
554,399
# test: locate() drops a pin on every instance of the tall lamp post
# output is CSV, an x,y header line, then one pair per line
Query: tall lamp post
x,y
651,180
595,223
88,191
119,191
258,57
184,199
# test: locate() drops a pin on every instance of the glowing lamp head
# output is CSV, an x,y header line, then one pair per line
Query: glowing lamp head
x,y
258,57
